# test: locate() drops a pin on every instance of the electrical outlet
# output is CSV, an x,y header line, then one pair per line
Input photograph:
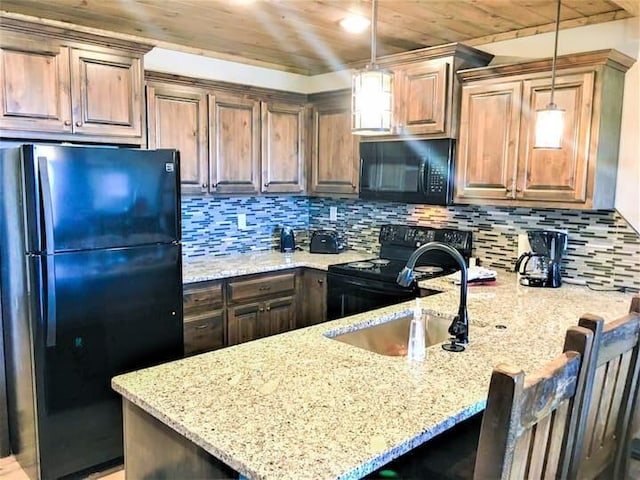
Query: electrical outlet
x,y
242,221
333,213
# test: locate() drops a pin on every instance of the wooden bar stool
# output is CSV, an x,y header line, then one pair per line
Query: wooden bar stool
x,y
527,430
605,429
529,424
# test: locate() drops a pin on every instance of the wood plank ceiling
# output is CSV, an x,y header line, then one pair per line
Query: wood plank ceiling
x,y
303,36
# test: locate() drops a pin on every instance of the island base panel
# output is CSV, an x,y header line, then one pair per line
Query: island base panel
x,y
152,450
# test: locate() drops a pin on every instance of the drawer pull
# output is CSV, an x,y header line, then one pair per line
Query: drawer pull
x,y
265,288
201,327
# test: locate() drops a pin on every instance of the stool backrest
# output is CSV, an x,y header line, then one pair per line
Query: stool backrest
x,y
530,421
604,430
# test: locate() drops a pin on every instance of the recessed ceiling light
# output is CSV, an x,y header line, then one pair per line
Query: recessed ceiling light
x,y
355,23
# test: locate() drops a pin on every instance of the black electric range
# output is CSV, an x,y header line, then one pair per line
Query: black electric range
x,y
356,287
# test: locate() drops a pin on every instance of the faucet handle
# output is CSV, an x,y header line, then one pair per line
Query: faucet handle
x,y
405,277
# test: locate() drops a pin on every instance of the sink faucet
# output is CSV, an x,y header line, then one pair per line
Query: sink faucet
x,y
459,328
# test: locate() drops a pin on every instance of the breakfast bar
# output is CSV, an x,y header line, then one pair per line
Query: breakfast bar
x,y
303,405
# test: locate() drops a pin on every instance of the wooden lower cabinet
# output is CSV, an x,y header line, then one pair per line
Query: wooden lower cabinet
x,y
261,319
222,313
204,317
261,305
314,298
204,332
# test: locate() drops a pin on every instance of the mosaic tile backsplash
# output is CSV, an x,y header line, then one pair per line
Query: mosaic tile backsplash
x,y
603,249
210,224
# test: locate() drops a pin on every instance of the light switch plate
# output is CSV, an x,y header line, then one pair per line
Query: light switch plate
x,y
242,221
333,213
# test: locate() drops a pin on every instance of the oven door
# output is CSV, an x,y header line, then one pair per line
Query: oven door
x,y
348,295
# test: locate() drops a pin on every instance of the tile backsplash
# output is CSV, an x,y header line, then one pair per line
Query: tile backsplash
x,y
603,249
210,224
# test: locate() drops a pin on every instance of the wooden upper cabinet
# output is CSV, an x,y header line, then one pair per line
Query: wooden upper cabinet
x,y
234,143
56,85
106,90
35,91
334,160
420,98
178,119
558,175
488,147
283,146
497,162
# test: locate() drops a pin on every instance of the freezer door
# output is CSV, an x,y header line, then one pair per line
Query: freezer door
x,y
92,198
116,310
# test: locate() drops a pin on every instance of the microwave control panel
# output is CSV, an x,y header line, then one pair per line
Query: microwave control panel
x,y
437,178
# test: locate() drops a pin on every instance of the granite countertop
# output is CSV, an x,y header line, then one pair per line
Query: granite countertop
x,y
301,405
225,266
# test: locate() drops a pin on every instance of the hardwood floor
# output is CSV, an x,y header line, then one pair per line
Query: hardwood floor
x,y
10,470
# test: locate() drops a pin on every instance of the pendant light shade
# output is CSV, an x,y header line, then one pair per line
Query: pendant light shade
x,y
372,98
550,121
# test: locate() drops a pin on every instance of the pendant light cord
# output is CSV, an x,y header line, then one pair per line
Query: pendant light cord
x,y
555,54
374,31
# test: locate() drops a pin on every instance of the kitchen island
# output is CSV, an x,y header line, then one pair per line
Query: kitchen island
x,y
302,405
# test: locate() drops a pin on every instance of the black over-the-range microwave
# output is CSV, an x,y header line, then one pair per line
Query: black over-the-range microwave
x,y
409,171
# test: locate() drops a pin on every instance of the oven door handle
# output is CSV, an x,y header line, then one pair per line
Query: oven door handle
x,y
344,284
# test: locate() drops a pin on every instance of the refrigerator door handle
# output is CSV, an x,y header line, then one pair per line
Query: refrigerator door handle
x,y
47,205
50,314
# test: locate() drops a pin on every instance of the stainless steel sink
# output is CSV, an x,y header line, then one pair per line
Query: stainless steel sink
x,y
390,338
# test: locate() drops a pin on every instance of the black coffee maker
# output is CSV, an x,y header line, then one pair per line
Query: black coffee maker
x,y
541,266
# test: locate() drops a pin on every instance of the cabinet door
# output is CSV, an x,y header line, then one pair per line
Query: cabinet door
x,y
315,298
283,129
34,88
204,332
489,129
178,119
421,98
279,315
334,156
106,93
234,144
557,175
244,323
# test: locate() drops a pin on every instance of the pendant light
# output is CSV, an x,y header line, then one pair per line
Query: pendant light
x,y
371,99
550,121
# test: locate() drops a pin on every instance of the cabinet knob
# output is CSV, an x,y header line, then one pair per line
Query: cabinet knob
x,y
320,281
268,308
214,186
266,185
353,186
204,185
78,124
67,123
261,309
519,190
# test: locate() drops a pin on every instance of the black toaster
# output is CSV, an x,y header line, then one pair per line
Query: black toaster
x,y
326,241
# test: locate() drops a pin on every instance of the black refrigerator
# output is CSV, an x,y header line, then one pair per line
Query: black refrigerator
x,y
91,273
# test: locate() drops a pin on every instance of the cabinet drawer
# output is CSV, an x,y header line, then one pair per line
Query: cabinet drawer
x,y
204,332
258,287
202,297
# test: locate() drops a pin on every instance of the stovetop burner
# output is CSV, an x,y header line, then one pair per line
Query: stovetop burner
x,y
361,265
397,243
427,269
380,261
